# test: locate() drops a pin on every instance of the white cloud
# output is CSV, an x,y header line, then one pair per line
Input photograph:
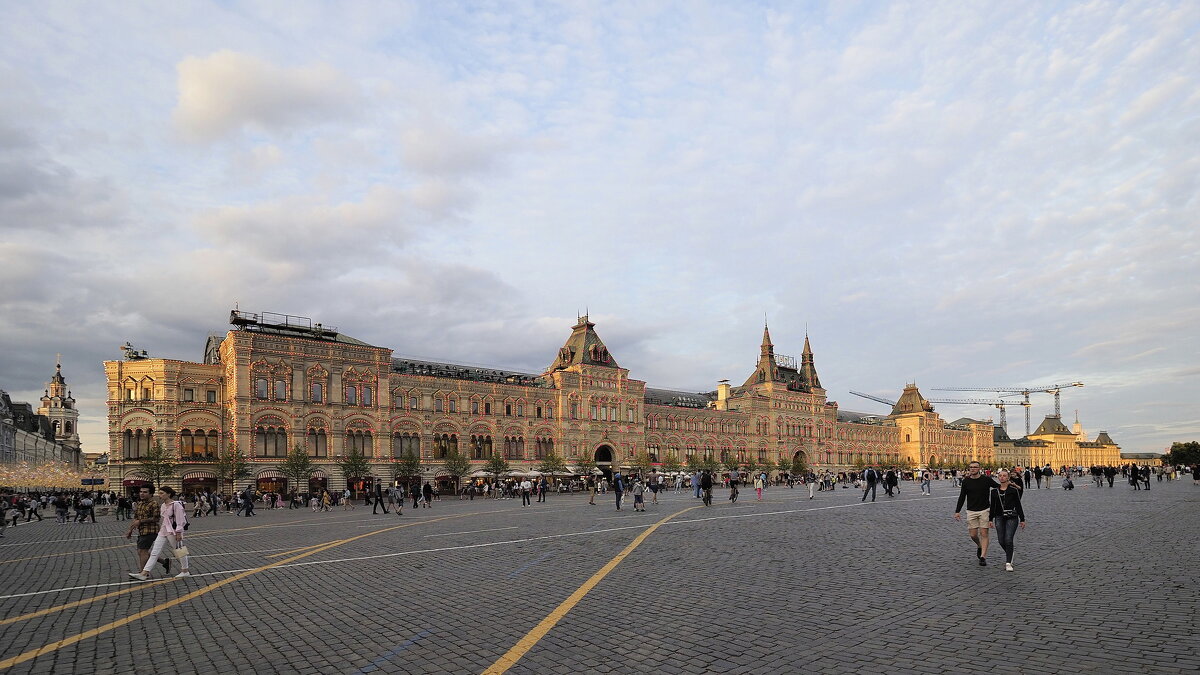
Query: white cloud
x,y
229,92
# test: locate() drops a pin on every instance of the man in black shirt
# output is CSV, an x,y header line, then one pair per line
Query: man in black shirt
x,y
871,477
976,492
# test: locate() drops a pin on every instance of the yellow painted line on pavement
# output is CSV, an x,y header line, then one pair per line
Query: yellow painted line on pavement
x,y
510,658
80,603
68,641
302,548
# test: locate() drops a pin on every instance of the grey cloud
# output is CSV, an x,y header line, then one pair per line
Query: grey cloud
x,y
228,92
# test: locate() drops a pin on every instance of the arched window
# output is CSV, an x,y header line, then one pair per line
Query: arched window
x,y
444,444
482,447
270,441
406,444
186,444
360,440
210,449
317,442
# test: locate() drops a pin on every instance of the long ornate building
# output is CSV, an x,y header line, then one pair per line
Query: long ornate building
x,y
276,382
49,434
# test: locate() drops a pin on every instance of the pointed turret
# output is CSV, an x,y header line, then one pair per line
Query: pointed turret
x,y
808,370
911,401
1105,439
584,347
766,370
59,407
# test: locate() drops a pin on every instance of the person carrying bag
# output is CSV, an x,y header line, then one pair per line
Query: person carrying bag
x,y
173,523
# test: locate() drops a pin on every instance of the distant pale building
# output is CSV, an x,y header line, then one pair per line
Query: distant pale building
x,y
49,434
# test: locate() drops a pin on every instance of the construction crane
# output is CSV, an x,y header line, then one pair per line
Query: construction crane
x,y
1025,392
998,403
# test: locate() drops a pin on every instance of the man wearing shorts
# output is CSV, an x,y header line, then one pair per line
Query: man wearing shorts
x,y
976,492
145,521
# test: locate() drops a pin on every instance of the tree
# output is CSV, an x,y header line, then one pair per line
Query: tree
x,y
354,465
553,465
496,465
671,464
587,466
798,466
643,462
297,467
695,463
1184,453
407,465
730,462
158,464
456,465
709,464
753,468
232,465
859,462
785,465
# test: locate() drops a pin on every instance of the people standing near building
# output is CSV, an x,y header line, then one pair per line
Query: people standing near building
x,y
377,500
543,488
146,523
1048,475
1037,476
870,478
759,483
172,523
696,480
926,488
639,495
526,488
248,500
618,487
427,495
976,491
1005,512
592,490
1110,473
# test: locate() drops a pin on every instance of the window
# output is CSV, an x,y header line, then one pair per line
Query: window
x,y
508,409
550,412
514,447
482,446
189,395
520,410
444,444
574,411
406,443
474,407
412,403
595,415
487,407
270,441
260,387
280,390
367,395
318,443
146,394
210,396
631,413
453,405
128,394
70,428
351,395
137,443
437,405
359,440
318,392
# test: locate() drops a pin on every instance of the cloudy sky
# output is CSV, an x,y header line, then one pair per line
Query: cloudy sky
x,y
957,194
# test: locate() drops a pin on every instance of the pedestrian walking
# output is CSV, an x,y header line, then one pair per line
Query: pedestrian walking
x,y
976,491
378,500
146,523
526,488
1006,514
427,495
172,523
706,486
248,500
759,483
618,488
870,478
926,488
639,495
592,491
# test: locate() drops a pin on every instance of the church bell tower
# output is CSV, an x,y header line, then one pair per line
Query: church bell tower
x,y
59,407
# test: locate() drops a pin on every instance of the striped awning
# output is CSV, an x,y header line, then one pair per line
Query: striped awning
x,y
318,474
269,473
198,474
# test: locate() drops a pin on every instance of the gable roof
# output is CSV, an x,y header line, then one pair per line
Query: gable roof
x,y
583,347
1052,425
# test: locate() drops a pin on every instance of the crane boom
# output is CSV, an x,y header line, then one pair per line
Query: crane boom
x,y
880,399
1055,389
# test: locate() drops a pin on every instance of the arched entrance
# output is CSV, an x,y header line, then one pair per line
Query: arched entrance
x,y
604,460
803,457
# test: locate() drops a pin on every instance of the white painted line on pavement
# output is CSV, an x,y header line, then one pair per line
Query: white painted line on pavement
x,y
451,534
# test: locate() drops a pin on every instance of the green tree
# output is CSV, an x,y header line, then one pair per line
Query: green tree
x,y
496,465
784,465
587,466
1184,453
730,462
695,463
798,466
671,464
231,466
859,463
553,465
354,465
298,467
456,465
406,466
709,464
644,463
158,464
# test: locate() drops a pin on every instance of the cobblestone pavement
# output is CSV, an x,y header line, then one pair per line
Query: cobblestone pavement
x,y
1105,582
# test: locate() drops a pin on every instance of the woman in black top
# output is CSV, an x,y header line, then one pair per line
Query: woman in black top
x,y
1006,515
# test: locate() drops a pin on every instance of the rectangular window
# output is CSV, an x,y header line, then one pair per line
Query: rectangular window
x,y
210,396
437,405
574,411
453,405
318,392
487,408
128,394
538,411
145,394
260,387
352,395
412,403
550,412
280,390
474,407
508,409
189,395
595,414
367,396
520,410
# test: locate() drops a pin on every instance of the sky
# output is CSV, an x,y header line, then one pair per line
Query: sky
x,y
953,194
